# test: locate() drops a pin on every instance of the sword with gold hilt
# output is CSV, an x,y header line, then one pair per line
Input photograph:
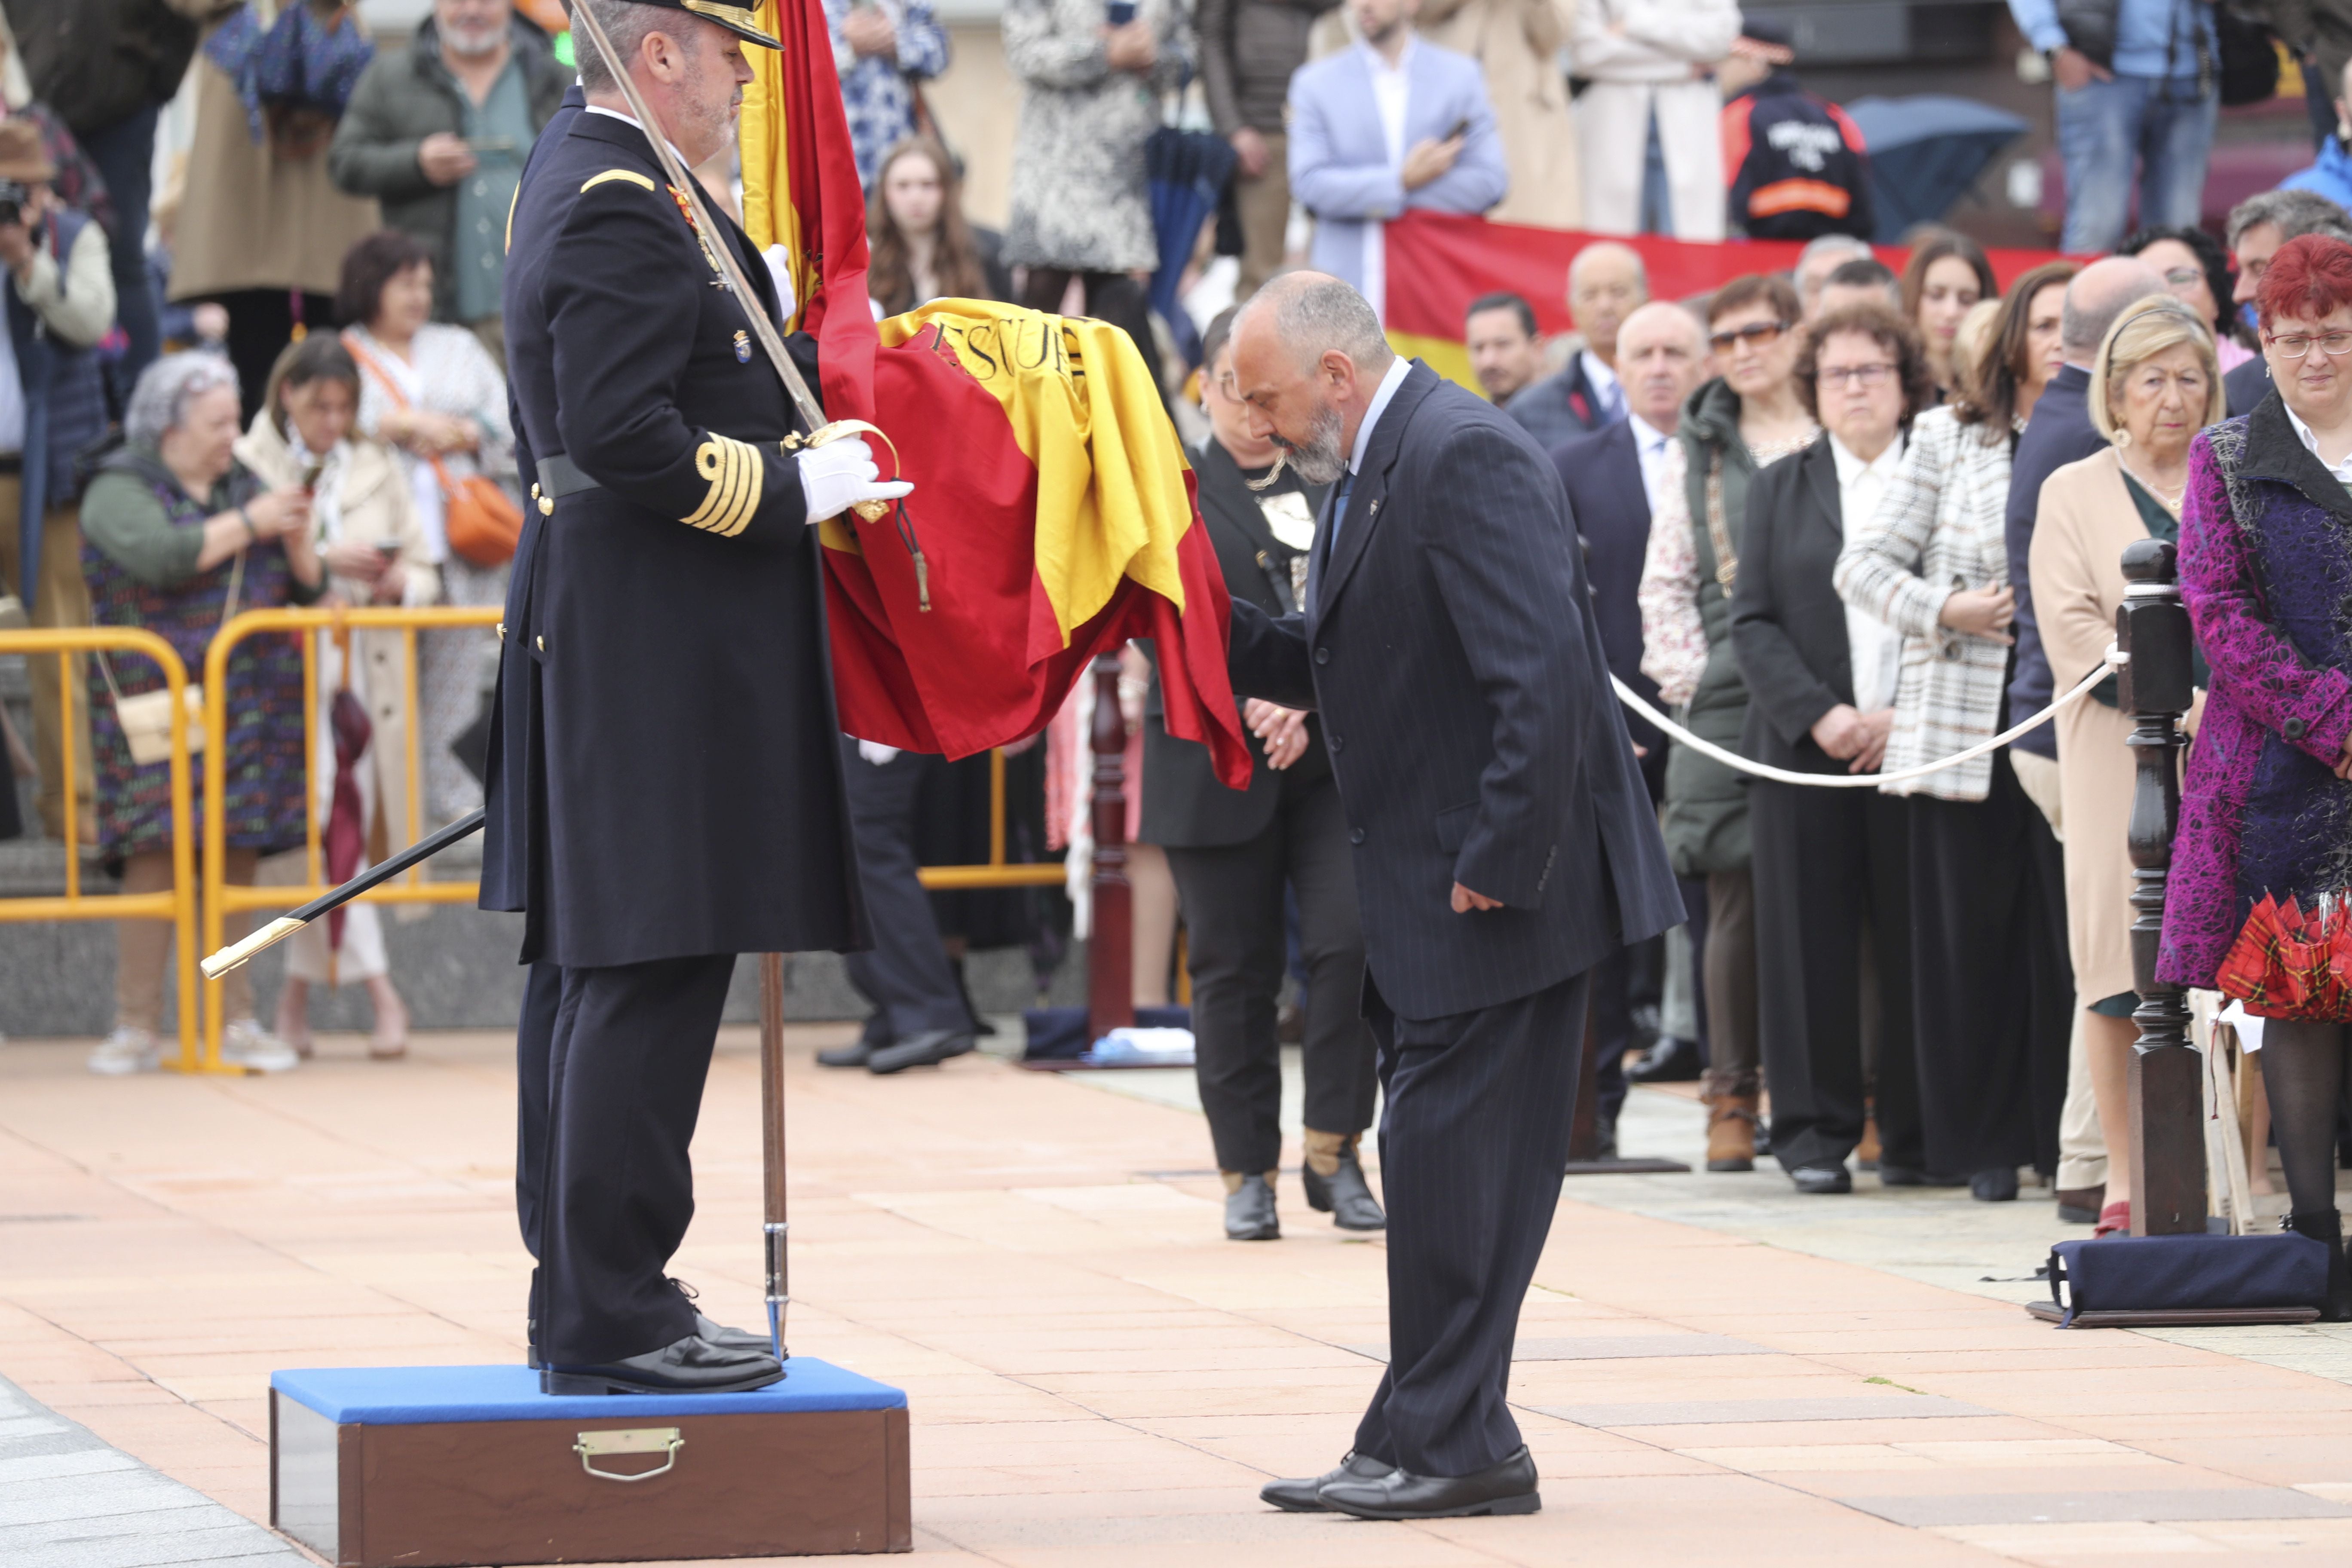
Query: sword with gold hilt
x,y
722,257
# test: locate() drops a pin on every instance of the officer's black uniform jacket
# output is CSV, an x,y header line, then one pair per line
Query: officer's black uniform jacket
x,y
664,776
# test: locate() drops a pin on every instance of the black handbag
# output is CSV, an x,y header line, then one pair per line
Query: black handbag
x,y
2187,1274
2090,27
2250,62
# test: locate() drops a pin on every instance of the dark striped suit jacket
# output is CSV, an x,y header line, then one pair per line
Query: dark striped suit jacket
x,y
1449,647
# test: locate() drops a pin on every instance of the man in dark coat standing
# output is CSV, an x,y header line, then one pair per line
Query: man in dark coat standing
x,y
665,752
1504,847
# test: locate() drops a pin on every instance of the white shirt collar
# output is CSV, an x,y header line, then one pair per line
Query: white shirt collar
x,y
1378,63
2343,470
625,117
1647,438
1851,467
1399,368
1596,373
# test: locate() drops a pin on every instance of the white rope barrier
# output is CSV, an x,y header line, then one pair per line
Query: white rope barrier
x,y
2114,659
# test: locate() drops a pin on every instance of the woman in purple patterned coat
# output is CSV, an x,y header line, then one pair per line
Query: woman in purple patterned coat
x,y
2266,571
177,535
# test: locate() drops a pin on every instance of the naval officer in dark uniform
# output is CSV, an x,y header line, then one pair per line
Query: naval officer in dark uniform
x,y
665,786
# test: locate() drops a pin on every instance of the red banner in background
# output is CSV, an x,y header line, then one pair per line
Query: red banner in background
x,y
1439,262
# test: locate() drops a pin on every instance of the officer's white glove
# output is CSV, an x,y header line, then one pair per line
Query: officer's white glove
x,y
839,474
878,754
779,269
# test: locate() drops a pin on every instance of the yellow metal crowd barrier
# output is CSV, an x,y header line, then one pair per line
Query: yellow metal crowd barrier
x,y
176,905
220,897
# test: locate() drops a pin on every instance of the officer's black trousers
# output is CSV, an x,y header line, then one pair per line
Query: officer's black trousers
x,y
906,975
1473,1147
632,1047
1832,866
543,996
1233,943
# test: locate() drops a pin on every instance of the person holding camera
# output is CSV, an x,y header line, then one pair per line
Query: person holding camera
x,y
58,302
883,50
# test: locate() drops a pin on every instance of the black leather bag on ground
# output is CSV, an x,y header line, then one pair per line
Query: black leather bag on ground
x,y
2187,1273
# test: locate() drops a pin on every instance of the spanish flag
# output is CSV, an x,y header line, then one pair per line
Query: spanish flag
x,y
1054,512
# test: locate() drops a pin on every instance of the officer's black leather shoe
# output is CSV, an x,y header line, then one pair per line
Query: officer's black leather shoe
x,y
856,1054
728,1339
1998,1186
692,1366
1249,1212
1822,1181
927,1049
1299,1497
1669,1061
1508,1487
1345,1195
1905,1176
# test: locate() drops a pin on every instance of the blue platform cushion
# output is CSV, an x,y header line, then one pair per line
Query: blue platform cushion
x,y
418,1396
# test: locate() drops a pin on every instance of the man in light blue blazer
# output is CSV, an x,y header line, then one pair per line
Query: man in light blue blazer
x,y
1391,123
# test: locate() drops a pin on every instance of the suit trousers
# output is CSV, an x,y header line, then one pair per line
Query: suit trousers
x,y
543,996
1991,986
906,975
631,1049
1473,1147
1231,897
1264,208
1833,881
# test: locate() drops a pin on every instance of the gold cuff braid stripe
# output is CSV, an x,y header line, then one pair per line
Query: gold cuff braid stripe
x,y
735,476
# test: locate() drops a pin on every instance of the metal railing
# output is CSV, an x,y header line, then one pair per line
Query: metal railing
x,y
175,905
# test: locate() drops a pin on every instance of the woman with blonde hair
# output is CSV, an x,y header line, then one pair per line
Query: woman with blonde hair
x,y
366,531
2156,382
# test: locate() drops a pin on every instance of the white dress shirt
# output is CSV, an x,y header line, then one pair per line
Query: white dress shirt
x,y
1609,397
2343,470
1391,88
1873,648
1650,445
1399,368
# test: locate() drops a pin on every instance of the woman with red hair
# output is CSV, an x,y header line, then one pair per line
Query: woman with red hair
x,y
2266,571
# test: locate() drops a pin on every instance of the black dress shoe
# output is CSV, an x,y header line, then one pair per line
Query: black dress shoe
x,y
1905,1176
856,1054
1669,1061
1249,1212
1508,1487
1300,1496
1998,1186
1345,1195
1822,1181
692,1366
927,1049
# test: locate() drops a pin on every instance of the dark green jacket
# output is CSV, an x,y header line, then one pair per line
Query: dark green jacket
x,y
1706,818
403,97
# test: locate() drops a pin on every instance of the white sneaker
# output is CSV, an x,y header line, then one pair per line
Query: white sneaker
x,y
245,1044
124,1052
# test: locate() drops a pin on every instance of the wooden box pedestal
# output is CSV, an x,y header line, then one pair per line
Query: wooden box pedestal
x,y
472,1465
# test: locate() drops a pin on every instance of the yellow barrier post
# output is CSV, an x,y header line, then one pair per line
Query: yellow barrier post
x,y
177,905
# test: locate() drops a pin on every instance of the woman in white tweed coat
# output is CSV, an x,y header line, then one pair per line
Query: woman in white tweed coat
x,y
1933,563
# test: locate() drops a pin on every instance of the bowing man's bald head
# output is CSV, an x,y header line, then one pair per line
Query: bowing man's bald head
x,y
1309,356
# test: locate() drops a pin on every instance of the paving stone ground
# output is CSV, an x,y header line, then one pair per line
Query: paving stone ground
x,y
1711,1370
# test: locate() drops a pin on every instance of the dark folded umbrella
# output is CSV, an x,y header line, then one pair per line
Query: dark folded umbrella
x,y
1925,153
1188,171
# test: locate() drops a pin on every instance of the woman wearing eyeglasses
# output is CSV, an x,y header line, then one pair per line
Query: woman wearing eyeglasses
x,y
1987,975
2156,382
2266,572
1832,871
2196,271
1746,417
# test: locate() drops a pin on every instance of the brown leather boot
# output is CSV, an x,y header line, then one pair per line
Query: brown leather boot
x,y
1731,1132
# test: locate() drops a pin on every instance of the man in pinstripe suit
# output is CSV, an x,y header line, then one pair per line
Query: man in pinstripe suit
x,y
1504,845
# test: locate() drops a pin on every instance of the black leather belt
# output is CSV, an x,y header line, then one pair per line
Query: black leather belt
x,y
558,476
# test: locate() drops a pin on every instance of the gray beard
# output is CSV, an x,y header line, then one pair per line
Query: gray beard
x,y
1319,461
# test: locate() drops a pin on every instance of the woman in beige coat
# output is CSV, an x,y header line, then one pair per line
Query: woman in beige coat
x,y
2156,383
1517,43
375,553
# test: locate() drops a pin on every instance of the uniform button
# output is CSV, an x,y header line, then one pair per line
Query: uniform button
x,y
1339,742
542,642
2295,729
1355,835
1322,656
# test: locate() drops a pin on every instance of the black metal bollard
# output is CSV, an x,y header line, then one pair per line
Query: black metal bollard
x,y
2167,1195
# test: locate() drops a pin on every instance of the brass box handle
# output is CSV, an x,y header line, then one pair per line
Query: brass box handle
x,y
664,1441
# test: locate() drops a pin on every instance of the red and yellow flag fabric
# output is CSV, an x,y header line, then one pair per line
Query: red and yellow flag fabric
x,y
1053,506
1452,260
